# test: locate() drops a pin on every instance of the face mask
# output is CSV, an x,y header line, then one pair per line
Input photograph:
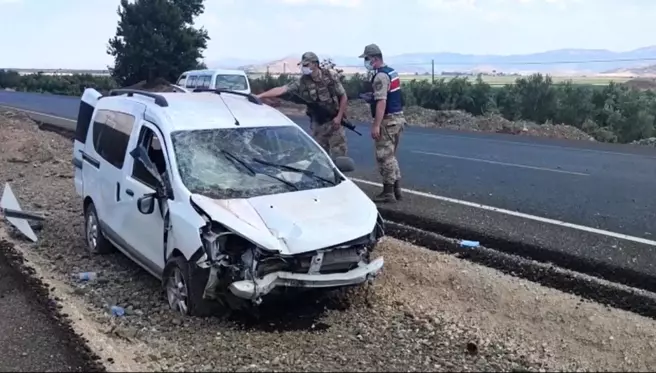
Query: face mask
x,y
306,70
367,65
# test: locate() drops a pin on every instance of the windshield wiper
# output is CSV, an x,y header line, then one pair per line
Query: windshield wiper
x,y
234,159
294,169
252,171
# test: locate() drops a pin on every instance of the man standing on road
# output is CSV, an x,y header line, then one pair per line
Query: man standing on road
x,y
388,121
321,86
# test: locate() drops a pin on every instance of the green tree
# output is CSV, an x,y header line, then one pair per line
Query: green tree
x,y
156,39
9,79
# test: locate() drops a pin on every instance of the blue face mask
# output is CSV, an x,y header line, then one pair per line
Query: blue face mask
x,y
306,70
367,65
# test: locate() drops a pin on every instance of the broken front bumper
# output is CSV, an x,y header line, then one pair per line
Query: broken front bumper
x,y
254,289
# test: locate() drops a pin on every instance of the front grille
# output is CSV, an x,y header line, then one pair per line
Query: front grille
x,y
334,261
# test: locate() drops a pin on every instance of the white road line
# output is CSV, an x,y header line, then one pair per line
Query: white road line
x,y
501,163
540,219
478,205
532,145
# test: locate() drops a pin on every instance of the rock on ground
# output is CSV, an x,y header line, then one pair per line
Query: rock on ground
x,y
427,311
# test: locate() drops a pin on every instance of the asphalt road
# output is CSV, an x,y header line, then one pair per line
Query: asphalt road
x,y
32,337
603,186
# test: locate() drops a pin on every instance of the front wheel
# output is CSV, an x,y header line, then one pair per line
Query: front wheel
x,y
184,288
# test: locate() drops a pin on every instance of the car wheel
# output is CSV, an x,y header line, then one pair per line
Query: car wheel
x,y
95,239
184,288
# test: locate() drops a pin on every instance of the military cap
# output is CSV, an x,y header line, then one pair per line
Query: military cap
x,y
308,57
370,50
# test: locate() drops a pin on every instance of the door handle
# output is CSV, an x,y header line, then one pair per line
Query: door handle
x,y
129,192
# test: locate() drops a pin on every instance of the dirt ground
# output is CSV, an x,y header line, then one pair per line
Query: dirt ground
x,y
427,311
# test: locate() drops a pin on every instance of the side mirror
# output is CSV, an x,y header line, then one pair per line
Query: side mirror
x,y
345,164
146,204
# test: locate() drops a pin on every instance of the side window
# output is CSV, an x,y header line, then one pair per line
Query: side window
x,y
149,139
98,125
204,81
111,134
191,81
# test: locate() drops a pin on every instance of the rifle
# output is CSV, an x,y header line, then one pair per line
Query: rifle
x,y
321,111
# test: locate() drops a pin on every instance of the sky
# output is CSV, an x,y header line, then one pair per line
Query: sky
x,y
74,33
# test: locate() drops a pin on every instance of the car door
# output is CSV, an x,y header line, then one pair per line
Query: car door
x,y
85,117
112,138
145,232
112,128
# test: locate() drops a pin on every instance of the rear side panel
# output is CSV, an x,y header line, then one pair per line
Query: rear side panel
x,y
88,103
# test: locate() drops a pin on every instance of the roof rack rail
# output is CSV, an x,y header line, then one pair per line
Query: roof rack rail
x,y
251,97
159,99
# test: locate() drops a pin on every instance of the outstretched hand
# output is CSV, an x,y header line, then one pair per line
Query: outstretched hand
x,y
375,132
337,122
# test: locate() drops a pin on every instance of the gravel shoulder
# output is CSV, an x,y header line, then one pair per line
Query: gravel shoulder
x,y
427,311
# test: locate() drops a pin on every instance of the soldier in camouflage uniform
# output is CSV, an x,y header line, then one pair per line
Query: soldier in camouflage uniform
x,y
323,87
388,121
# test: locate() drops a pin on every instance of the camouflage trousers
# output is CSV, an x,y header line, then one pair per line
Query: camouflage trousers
x,y
390,134
331,139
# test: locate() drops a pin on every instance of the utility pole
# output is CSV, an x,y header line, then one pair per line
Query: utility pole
x,y
433,71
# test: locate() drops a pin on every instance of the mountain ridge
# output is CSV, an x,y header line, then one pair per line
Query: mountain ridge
x,y
566,61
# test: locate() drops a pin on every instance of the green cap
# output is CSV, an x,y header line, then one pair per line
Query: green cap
x,y
308,57
370,50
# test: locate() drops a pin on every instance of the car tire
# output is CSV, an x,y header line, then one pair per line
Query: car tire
x,y
96,243
184,287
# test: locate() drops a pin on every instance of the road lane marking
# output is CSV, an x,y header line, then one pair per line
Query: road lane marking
x,y
501,163
540,219
529,144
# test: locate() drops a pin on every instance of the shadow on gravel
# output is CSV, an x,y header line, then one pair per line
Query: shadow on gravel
x,y
293,312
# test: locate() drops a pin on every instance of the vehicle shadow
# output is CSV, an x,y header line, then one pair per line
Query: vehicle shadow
x,y
293,312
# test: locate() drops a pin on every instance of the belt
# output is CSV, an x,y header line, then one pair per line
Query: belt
x,y
389,116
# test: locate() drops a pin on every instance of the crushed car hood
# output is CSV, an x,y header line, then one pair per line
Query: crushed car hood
x,y
297,222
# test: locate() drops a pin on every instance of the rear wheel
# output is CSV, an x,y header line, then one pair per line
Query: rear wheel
x,y
95,239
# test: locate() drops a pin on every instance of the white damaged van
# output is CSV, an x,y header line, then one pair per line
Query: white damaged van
x,y
220,197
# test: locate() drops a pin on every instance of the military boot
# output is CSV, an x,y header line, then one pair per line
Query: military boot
x,y
387,195
397,190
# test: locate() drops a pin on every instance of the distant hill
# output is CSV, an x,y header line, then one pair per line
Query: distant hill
x,y
287,65
645,71
642,83
556,62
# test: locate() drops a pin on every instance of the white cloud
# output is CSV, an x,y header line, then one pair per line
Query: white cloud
x,y
335,3
449,4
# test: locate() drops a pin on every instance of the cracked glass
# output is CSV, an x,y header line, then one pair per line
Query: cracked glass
x,y
249,162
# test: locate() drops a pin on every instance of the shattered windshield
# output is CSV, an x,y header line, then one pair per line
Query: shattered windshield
x,y
231,82
250,162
